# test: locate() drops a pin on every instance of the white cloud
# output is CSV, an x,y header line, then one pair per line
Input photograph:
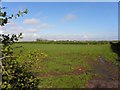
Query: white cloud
x,y
12,30
31,30
65,37
31,21
35,34
85,36
12,24
29,33
39,25
45,25
68,17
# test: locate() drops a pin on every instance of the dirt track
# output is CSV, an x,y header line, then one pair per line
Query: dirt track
x,y
106,75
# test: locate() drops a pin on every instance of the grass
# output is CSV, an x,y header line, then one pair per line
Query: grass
x,y
65,58
65,81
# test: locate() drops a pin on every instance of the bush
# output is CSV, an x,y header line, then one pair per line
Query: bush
x,y
16,75
32,59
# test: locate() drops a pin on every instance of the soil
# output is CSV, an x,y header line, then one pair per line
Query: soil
x,y
105,74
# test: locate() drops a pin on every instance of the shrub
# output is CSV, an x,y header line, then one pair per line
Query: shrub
x,y
15,75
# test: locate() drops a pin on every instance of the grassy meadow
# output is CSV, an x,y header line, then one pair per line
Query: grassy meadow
x,y
66,65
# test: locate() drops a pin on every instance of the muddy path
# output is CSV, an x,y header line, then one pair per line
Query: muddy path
x,y
105,74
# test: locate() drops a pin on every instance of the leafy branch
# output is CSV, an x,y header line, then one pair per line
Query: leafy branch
x,y
5,17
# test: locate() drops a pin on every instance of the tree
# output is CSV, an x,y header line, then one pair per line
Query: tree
x,y
14,75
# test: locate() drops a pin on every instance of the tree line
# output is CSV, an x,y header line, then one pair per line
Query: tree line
x,y
67,42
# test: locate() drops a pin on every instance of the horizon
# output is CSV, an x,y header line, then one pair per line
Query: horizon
x,y
84,21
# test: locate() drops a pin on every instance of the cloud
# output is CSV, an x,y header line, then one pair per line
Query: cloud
x,y
45,25
29,36
85,36
31,30
68,17
31,21
65,37
12,28
12,24
39,25
35,34
29,33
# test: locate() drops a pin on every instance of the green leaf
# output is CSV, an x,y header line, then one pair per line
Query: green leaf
x,y
26,11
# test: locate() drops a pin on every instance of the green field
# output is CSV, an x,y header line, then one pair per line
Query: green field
x,y
66,65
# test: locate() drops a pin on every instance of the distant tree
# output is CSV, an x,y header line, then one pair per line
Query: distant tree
x,y
39,39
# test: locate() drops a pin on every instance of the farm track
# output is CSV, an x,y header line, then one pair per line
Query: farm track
x,y
106,74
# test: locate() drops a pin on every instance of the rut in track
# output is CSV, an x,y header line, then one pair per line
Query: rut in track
x,y
106,74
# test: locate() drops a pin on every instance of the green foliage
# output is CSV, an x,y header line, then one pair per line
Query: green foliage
x,y
14,75
40,41
32,59
7,41
5,17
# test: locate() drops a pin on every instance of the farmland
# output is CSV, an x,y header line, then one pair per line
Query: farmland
x,y
69,65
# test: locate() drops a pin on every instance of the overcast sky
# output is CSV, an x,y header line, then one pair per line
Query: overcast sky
x,y
64,21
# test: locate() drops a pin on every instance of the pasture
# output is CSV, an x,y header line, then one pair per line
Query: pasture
x,y
69,65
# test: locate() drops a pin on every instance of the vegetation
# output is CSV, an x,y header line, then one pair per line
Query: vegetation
x,y
15,75
66,66
68,42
